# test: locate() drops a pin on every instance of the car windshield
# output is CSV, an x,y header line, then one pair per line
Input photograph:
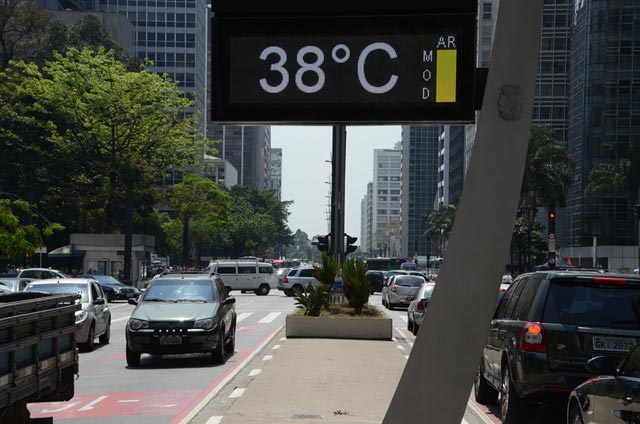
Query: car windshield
x,y
426,290
54,288
409,281
590,305
107,279
180,291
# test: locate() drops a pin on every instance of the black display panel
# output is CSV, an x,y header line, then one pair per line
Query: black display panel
x,y
371,69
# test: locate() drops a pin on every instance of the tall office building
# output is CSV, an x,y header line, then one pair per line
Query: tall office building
x,y
419,185
450,165
365,221
276,172
248,148
604,112
386,202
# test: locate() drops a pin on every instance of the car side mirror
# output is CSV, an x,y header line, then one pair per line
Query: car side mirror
x,y
229,300
601,365
132,301
99,301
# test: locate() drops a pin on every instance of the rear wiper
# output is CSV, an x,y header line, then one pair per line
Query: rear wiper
x,y
156,300
190,300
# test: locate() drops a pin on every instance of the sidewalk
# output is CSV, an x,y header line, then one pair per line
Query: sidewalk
x,y
316,381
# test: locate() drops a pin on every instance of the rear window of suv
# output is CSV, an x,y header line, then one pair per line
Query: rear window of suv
x,y
593,305
409,281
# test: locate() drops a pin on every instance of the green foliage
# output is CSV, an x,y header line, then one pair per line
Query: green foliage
x,y
17,239
355,284
312,299
327,271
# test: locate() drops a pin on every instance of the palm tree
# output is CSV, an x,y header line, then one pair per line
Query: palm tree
x,y
548,173
439,224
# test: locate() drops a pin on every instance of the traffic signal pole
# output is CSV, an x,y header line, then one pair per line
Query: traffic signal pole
x,y
338,160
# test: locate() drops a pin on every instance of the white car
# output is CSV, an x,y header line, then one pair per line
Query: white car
x,y
246,275
94,319
297,279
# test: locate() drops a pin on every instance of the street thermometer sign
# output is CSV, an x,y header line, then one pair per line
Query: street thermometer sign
x,y
399,68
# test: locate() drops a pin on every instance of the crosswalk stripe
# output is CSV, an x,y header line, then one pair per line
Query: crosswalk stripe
x,y
404,318
243,316
269,318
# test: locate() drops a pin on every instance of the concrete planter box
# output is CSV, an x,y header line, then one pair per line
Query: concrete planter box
x,y
339,328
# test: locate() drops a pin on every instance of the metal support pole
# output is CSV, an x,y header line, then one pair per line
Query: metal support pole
x,y
337,192
438,376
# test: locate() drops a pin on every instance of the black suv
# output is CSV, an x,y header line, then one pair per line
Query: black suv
x,y
376,281
545,329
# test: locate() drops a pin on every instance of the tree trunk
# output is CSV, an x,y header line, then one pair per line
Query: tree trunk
x,y
128,232
185,240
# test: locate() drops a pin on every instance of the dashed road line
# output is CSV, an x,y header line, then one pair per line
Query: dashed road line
x,y
243,316
214,420
237,393
255,372
269,318
267,357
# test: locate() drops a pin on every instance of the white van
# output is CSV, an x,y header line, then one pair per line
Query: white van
x,y
257,277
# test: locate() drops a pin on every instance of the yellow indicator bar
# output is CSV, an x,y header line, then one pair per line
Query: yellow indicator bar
x,y
446,76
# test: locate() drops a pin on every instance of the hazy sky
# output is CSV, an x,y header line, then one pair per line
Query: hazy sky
x,y
306,171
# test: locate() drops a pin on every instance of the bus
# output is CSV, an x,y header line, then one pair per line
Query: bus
x,y
384,264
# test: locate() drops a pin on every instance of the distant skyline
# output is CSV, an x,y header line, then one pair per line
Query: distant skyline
x,y
306,172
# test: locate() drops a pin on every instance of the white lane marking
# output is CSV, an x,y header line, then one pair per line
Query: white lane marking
x,y
404,318
128,401
283,339
119,319
186,419
93,403
393,339
269,318
214,420
410,344
400,347
267,358
406,356
243,316
237,393
276,347
464,421
65,405
255,372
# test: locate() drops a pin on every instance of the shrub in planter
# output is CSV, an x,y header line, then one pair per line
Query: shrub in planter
x,y
312,299
355,284
326,274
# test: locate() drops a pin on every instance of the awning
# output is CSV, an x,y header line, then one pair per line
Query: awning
x,y
67,251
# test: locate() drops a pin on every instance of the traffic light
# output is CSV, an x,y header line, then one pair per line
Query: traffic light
x,y
350,248
323,243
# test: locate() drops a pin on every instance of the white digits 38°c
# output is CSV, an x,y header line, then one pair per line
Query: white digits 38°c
x,y
310,67
277,67
361,72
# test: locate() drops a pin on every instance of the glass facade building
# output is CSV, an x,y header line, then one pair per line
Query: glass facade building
x,y
604,111
419,184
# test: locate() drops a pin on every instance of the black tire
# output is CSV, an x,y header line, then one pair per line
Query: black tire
x,y
109,297
575,416
133,358
106,337
390,306
409,324
89,345
510,403
288,293
297,288
482,390
217,355
263,290
230,344
416,328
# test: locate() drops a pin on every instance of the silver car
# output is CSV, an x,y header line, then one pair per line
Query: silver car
x,y
94,319
418,307
400,289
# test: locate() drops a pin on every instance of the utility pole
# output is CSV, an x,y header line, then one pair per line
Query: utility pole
x,y
338,160
551,227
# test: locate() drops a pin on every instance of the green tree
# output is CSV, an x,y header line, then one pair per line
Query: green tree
x,y
355,284
17,239
127,127
548,173
22,24
198,199
438,224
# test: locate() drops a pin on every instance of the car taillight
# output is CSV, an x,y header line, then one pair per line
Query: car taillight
x,y
393,287
286,280
532,338
608,280
421,306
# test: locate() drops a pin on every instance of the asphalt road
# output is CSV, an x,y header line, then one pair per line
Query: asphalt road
x,y
167,389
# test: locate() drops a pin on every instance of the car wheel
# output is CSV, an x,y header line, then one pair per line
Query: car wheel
x,y
230,345
263,290
510,402
575,416
109,297
104,339
90,343
390,306
416,328
483,392
133,358
409,323
218,352
288,293
297,288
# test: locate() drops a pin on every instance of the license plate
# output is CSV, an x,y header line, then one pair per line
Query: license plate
x,y
170,340
620,344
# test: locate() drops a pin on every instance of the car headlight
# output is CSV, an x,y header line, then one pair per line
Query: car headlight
x,y
116,290
81,315
137,324
205,324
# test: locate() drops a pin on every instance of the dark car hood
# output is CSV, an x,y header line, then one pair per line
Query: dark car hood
x,y
181,311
